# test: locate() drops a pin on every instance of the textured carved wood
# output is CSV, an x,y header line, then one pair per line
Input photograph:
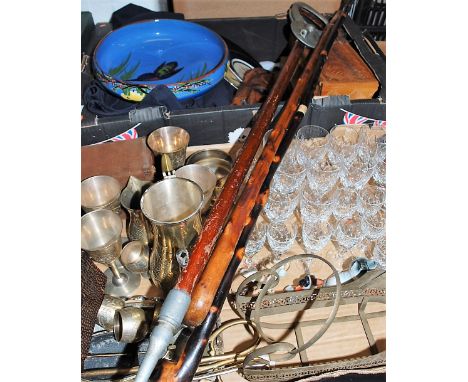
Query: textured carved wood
x,y
345,73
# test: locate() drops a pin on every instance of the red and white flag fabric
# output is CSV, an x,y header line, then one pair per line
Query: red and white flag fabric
x,y
126,136
356,119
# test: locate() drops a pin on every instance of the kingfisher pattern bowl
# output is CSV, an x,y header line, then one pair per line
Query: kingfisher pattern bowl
x,y
186,57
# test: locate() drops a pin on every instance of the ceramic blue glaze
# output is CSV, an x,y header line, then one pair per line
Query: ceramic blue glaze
x,y
186,57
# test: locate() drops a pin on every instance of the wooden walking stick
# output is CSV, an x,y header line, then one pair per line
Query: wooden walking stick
x,y
178,299
185,368
220,211
203,294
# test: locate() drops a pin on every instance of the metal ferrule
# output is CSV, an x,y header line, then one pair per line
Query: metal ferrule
x,y
357,268
170,319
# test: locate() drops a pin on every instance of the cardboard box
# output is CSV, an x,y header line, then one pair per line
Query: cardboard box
x,y
201,9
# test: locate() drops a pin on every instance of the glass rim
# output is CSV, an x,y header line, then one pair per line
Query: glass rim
x,y
319,128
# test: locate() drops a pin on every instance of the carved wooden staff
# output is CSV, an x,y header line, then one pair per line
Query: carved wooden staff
x,y
204,292
178,299
185,368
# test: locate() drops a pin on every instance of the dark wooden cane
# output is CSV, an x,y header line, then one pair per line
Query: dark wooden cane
x,y
204,292
185,368
219,213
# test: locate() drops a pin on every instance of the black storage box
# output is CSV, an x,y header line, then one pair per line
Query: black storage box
x,y
264,38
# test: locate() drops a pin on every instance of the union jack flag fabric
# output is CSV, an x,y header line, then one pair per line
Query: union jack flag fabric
x,y
126,136
355,119
380,123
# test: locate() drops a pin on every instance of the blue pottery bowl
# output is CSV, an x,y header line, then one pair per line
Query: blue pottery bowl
x,y
186,57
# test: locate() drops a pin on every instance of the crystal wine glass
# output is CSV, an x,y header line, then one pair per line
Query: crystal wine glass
x,y
322,175
374,225
349,233
312,144
315,207
254,244
357,172
345,202
379,133
280,207
344,140
281,237
315,237
380,252
370,199
289,176
380,173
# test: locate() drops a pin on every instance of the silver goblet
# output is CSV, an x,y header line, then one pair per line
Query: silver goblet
x,y
100,192
100,238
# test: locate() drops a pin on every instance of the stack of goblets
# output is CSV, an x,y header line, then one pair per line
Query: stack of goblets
x,y
336,181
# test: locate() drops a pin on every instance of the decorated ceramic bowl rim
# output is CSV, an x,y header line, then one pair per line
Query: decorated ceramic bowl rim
x,y
147,84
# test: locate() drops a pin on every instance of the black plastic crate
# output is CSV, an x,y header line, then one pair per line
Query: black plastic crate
x,y
265,39
370,15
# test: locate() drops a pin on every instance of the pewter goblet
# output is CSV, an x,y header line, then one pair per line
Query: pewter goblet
x,y
100,238
130,325
169,142
100,192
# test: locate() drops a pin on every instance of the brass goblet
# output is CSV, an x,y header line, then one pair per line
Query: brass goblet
x,y
169,142
100,238
138,228
135,258
202,176
173,207
100,192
